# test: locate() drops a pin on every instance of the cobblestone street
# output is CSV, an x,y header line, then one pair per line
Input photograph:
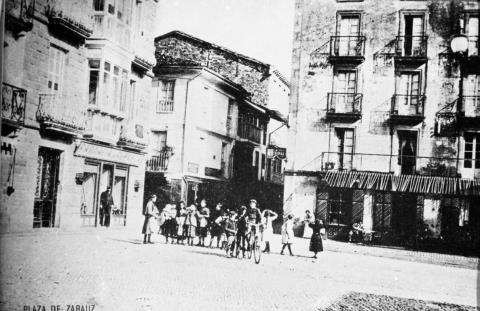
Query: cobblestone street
x,y
114,271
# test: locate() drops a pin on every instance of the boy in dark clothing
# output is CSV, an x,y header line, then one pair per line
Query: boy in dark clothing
x,y
230,231
242,230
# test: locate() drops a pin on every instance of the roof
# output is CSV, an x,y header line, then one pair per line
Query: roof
x,y
281,77
187,37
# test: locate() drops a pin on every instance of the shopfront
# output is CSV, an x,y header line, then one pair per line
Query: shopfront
x,y
105,167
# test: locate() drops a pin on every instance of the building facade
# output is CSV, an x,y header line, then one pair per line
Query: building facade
x,y
384,120
76,85
210,125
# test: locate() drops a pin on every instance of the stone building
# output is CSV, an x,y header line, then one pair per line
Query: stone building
x,y
210,125
384,120
76,85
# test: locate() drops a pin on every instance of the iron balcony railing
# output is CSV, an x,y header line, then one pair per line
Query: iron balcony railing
x,y
249,131
132,136
348,103
158,162
165,106
411,46
14,100
347,46
407,105
58,111
471,105
396,164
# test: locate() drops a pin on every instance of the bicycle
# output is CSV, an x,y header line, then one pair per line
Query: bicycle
x,y
254,243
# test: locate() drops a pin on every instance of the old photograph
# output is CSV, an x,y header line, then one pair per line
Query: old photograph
x,y
319,155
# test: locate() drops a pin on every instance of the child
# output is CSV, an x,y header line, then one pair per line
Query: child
x,y
203,218
268,216
191,223
180,220
287,234
231,231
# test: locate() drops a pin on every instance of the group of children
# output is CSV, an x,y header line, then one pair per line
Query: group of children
x,y
228,229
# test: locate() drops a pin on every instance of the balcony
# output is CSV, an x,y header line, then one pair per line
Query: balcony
x,y
142,64
249,132
132,137
158,163
393,164
347,48
344,107
165,106
469,116
411,49
407,109
66,20
106,26
58,114
14,100
19,15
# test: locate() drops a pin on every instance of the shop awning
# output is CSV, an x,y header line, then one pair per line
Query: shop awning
x,y
403,183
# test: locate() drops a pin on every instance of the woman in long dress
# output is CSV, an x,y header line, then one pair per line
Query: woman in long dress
x,y
316,244
268,216
151,214
287,234
309,219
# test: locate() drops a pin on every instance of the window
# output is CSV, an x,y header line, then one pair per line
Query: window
x,y
229,115
345,88
98,5
159,140
345,144
56,65
347,42
472,150
407,151
107,98
471,29
131,109
123,91
471,95
412,34
340,206
408,94
94,82
165,96
382,211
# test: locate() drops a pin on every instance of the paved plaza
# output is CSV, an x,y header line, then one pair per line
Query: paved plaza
x,y
112,270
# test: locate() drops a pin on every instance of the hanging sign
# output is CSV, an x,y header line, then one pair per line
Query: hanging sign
x,y
276,152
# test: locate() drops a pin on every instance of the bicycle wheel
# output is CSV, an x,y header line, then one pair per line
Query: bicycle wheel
x,y
249,249
256,251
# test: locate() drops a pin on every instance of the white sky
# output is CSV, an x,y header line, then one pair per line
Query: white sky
x,y
262,29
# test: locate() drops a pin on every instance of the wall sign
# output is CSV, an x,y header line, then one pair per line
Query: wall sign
x,y
280,153
87,150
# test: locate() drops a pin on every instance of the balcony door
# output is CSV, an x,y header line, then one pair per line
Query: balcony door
x,y
413,35
471,94
345,86
408,93
407,151
345,144
348,29
56,65
472,33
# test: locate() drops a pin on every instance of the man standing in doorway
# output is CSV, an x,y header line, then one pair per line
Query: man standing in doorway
x,y
106,200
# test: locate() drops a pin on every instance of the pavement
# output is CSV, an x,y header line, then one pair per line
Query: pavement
x,y
112,270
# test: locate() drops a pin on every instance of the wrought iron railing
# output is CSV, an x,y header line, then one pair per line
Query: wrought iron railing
x,y
471,105
411,46
132,136
159,162
396,164
249,131
165,105
407,105
348,103
14,100
347,46
57,110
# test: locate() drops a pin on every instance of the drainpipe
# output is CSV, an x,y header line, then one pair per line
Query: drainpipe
x,y
184,134
2,54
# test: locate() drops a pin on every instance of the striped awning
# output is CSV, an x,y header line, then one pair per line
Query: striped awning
x,y
403,183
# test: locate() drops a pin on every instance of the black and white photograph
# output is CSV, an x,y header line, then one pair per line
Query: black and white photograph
x,y
234,155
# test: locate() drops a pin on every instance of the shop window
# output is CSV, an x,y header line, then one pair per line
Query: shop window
x,y
119,190
340,206
382,211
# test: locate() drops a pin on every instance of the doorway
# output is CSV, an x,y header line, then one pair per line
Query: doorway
x,y
44,208
407,151
413,35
